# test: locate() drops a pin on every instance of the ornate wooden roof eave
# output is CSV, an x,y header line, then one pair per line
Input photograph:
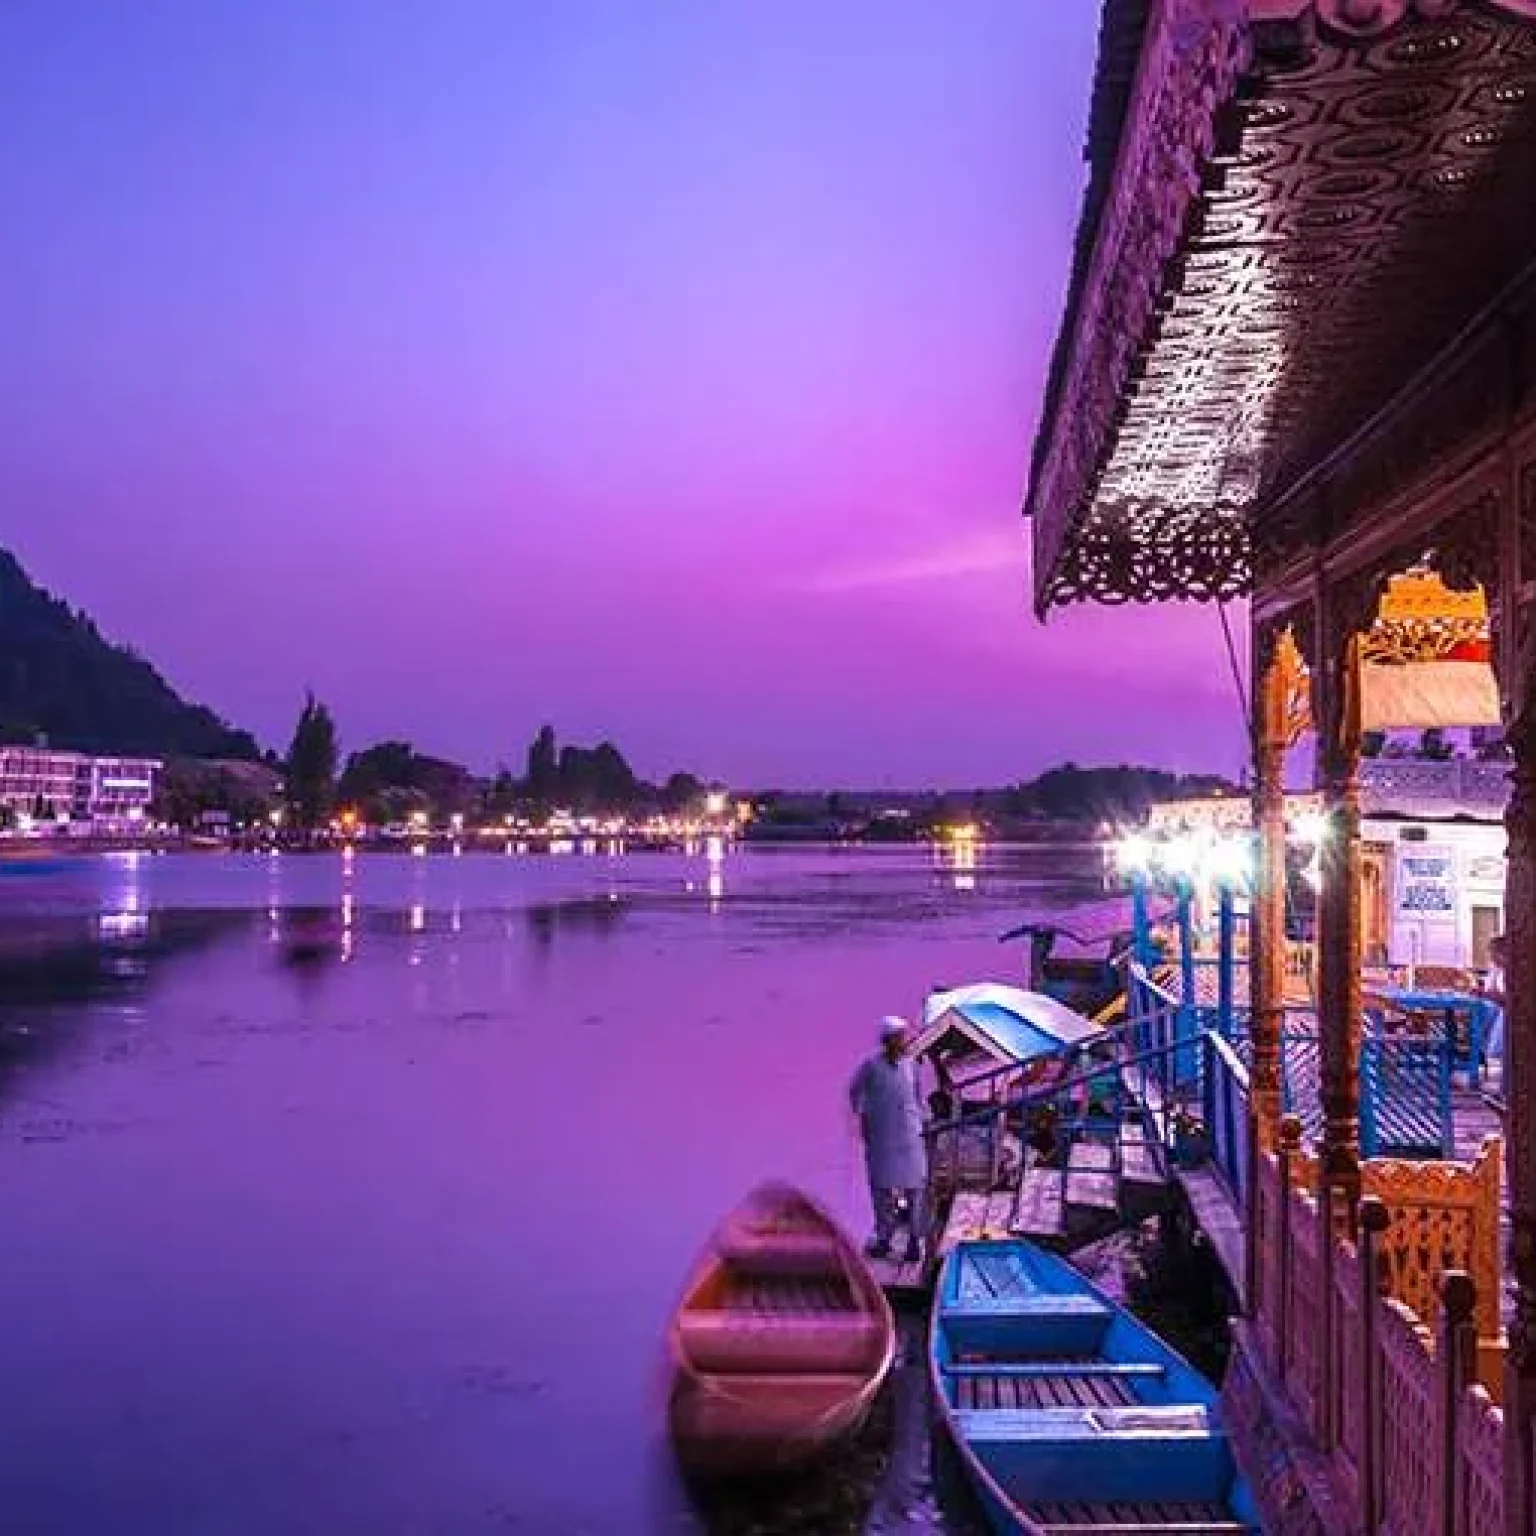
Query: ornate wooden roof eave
x,y
1475,404
1190,165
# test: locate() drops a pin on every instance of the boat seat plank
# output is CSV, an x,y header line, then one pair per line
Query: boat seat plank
x,y
1061,1421
1165,1518
1080,1368
1223,1527
1027,1306
981,1391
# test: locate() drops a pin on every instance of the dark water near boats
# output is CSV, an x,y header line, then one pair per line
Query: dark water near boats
x,y
387,1244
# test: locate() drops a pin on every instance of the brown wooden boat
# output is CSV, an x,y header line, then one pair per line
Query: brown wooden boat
x,y
781,1342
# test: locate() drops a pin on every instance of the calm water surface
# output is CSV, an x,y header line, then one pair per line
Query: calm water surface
x,y
389,1246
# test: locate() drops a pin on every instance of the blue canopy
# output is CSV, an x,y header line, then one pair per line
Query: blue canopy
x,y
1007,1022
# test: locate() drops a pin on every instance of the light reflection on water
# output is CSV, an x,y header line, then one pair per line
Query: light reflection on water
x,y
390,1245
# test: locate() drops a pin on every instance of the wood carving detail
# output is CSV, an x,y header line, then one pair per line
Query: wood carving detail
x,y
1336,221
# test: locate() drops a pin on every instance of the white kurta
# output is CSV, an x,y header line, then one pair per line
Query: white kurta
x,y
885,1096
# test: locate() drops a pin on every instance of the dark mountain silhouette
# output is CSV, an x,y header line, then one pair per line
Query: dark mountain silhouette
x,y
60,679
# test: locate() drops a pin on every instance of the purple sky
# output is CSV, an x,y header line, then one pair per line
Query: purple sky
x,y
668,370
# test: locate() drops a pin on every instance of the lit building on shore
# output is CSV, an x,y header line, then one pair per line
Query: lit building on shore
x,y
42,784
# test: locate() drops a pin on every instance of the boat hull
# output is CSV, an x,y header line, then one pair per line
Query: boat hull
x,y
1065,1410
760,1429
781,1344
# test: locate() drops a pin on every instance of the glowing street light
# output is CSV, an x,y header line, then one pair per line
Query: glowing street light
x,y
1133,854
715,803
1229,862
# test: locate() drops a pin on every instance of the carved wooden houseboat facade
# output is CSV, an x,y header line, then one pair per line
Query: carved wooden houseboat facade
x,y
1298,360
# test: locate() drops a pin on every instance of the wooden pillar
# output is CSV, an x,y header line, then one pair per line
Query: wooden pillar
x,y
1338,911
1517,656
1335,677
1266,938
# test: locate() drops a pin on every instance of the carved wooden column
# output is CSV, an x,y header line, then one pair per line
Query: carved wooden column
x,y
1516,641
1336,685
1266,930
1340,613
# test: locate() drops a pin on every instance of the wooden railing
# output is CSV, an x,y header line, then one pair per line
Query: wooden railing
x,y
1412,1439
1416,1443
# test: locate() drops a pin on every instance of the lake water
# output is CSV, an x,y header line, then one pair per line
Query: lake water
x,y
388,1246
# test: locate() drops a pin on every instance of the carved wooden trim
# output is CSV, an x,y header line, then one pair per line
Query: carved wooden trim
x,y
1354,180
1362,20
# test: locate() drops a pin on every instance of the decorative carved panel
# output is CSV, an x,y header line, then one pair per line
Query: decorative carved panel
x,y
1310,212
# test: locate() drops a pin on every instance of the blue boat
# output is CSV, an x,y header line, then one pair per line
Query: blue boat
x,y
1072,1418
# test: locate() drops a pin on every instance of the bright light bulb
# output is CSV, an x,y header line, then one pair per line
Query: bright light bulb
x,y
1133,854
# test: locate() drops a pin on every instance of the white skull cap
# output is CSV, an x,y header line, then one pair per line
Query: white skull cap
x,y
892,1024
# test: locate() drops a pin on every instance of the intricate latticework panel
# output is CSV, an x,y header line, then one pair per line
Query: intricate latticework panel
x,y
1349,1355
1410,1420
1311,211
1441,1216
1480,1441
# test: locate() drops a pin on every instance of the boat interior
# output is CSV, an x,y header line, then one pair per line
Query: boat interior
x,y
1078,1419
781,1298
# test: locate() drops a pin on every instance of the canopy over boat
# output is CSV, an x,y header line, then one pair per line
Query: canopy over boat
x,y
1006,1023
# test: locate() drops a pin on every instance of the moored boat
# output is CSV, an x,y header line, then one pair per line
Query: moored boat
x,y
1070,1416
781,1342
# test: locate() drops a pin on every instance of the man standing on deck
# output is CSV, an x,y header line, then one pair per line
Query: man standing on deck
x,y
884,1094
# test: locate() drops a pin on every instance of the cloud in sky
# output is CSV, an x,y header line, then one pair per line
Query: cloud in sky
x,y
973,555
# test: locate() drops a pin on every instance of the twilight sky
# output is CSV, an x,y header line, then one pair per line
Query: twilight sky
x,y
667,370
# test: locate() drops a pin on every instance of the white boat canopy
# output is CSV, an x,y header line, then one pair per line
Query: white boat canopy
x,y
1007,1023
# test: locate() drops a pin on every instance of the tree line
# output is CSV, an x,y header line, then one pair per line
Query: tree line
x,y
391,781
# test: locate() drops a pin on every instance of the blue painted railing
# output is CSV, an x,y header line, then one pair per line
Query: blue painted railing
x,y
1162,1020
1224,1100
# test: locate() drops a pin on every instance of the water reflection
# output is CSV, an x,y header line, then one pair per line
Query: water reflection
x,y
600,915
960,858
326,1180
714,852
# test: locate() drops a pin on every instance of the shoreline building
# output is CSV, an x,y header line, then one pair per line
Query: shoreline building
x,y
1432,866
43,784
1297,366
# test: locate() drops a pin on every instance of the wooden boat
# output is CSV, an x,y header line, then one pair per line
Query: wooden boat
x,y
1071,1417
781,1342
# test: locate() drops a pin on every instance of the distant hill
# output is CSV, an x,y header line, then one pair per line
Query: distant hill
x,y
61,679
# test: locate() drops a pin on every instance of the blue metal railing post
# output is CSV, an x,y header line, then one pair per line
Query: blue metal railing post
x,y
1226,959
1188,1026
1141,926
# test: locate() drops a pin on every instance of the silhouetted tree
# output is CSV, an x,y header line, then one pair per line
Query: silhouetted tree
x,y
501,797
391,779
543,777
311,764
681,791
